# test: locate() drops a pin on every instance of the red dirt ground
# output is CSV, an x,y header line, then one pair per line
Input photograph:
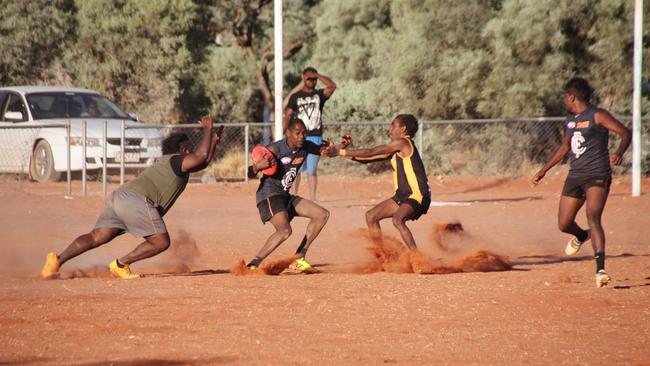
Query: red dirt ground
x,y
189,310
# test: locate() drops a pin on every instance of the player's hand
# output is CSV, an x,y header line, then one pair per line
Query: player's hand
x,y
328,149
615,159
538,177
206,122
346,140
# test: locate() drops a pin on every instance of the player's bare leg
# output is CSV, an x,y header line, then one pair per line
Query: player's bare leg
x,y
596,197
317,216
81,244
399,221
153,245
383,210
86,242
280,222
569,207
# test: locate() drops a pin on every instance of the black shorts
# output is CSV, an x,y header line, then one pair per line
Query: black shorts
x,y
576,187
275,204
419,209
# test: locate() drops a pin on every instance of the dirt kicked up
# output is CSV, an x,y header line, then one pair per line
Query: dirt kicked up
x,y
391,255
368,306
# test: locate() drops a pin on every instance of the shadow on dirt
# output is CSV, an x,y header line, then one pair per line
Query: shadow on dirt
x,y
533,260
511,199
162,362
202,272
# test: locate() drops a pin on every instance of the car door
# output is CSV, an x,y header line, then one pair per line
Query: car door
x,y
15,143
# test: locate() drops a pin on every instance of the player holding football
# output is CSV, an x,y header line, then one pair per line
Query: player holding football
x,y
590,175
277,205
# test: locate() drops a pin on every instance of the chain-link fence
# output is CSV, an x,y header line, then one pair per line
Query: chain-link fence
x,y
23,152
512,147
487,147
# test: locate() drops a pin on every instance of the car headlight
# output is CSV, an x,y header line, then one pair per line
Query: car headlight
x,y
90,141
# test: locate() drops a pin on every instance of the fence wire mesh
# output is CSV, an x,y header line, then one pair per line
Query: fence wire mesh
x,y
471,148
24,152
16,149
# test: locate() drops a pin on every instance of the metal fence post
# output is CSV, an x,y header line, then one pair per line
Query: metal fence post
x,y
104,157
122,133
246,134
420,138
68,157
84,137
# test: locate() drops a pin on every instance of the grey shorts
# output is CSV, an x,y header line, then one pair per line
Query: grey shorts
x,y
132,212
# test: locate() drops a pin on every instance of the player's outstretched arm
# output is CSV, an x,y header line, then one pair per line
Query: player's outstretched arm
x,y
556,158
329,149
216,139
377,153
199,158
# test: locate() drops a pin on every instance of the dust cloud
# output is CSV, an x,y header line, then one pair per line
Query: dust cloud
x,y
178,259
269,267
455,251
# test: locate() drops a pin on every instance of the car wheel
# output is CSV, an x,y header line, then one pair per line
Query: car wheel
x,y
41,167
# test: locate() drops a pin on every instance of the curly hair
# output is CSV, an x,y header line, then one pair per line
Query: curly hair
x,y
293,122
580,88
173,142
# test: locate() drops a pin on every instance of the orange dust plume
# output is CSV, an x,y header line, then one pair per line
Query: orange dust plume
x,y
441,234
240,269
479,261
271,268
391,255
180,257
276,267
483,261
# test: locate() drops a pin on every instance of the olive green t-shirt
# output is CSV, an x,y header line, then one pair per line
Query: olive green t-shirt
x,y
160,183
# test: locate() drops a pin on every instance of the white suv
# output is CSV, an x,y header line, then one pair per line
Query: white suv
x,y
41,152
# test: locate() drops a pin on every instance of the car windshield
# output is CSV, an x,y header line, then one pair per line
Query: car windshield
x,y
73,105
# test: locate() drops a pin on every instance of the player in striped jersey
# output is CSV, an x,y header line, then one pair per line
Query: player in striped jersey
x,y
412,194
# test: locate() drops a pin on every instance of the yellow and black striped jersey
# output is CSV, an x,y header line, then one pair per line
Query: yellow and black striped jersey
x,y
409,176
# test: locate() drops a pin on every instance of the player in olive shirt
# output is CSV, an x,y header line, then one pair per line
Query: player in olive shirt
x,y
139,205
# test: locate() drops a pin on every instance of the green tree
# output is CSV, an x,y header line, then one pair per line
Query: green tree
x,y
135,52
417,56
535,48
248,26
32,35
612,46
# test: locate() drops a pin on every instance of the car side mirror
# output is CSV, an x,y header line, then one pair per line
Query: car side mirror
x,y
14,116
134,116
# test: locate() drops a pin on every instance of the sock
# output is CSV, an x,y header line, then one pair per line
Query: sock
x,y
582,236
301,248
254,262
119,264
600,261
